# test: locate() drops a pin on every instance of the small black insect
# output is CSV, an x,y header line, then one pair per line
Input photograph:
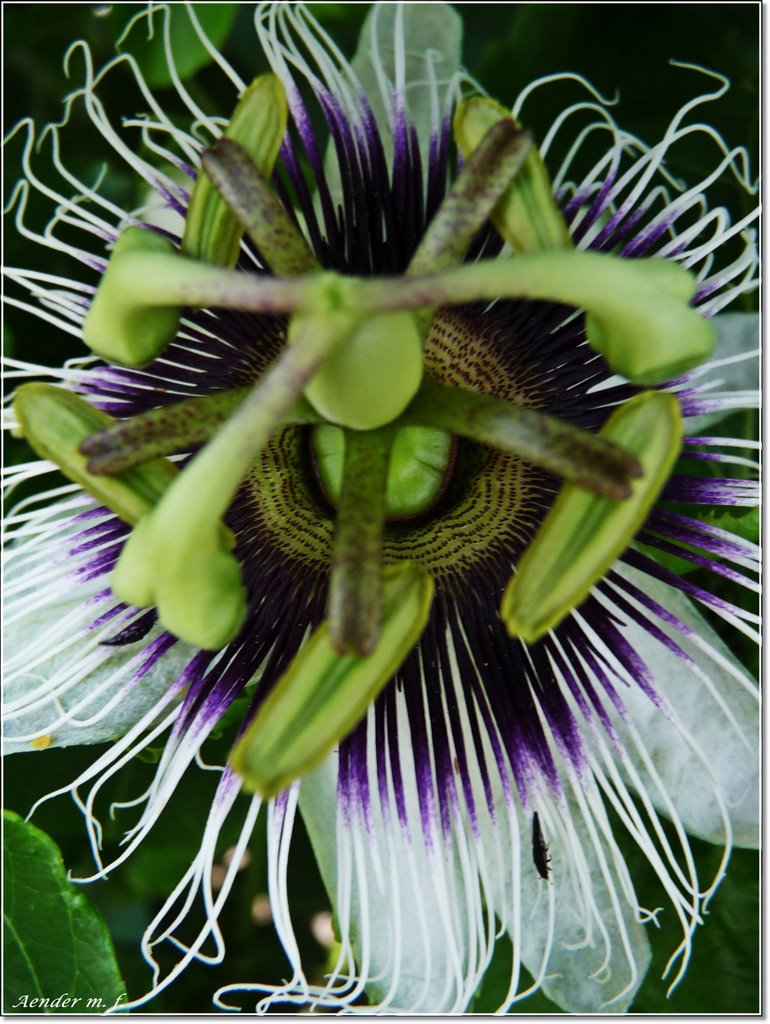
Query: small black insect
x,y
132,634
540,849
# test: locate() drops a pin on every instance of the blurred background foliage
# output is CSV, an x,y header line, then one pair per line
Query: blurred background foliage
x,y
618,47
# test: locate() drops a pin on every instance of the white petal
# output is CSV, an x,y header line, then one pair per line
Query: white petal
x,y
415,50
418,920
734,368
411,918
579,931
62,686
726,731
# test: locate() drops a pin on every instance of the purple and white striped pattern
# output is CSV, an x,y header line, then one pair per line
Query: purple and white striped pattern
x,y
431,797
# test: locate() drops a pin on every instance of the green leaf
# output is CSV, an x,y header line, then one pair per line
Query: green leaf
x,y
744,522
189,54
582,535
723,973
58,952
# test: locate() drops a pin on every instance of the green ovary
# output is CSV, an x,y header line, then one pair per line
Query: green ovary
x,y
419,462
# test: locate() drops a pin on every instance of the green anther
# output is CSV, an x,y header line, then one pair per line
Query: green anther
x,y
582,535
527,216
120,326
212,231
258,209
588,460
322,696
147,283
172,429
355,580
372,378
637,311
176,558
419,461
55,422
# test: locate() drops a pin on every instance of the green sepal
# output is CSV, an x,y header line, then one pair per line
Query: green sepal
x,y
56,422
374,374
322,696
212,232
119,326
527,216
582,535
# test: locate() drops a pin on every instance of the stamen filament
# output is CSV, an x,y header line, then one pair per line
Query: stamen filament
x,y
175,558
256,207
486,175
355,584
585,459
172,429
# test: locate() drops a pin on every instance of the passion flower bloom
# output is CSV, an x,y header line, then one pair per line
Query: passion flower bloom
x,y
395,345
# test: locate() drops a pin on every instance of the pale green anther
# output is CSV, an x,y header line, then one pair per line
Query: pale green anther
x,y
55,422
372,378
527,216
178,558
120,326
322,696
417,469
583,535
637,311
147,283
212,232
660,336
